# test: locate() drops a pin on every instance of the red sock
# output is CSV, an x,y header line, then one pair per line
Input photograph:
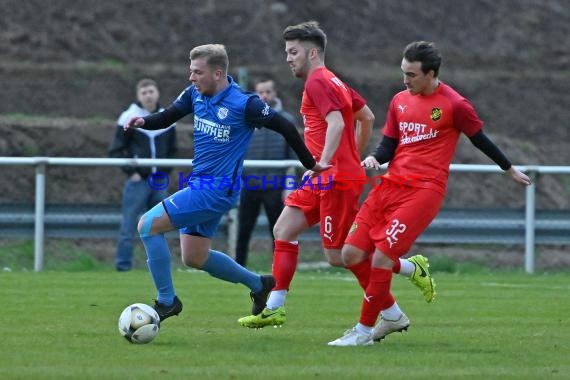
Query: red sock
x,y
377,297
285,259
362,272
397,266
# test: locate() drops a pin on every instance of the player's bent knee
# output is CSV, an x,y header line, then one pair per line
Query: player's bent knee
x,y
145,223
287,232
280,228
336,263
191,262
281,232
194,257
351,255
334,257
290,224
382,260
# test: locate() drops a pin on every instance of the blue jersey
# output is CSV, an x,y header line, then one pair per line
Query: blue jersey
x,y
223,126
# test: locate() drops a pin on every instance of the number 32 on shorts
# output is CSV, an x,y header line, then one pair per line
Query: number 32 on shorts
x,y
392,232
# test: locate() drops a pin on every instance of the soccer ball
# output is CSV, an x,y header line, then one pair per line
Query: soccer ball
x,y
139,323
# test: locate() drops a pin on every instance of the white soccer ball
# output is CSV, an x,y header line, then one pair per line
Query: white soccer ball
x,y
139,323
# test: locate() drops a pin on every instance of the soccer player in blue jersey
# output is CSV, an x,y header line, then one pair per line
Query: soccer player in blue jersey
x,y
224,120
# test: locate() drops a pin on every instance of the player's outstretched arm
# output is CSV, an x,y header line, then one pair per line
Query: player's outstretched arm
x,y
384,153
133,122
287,129
157,120
318,168
519,176
485,145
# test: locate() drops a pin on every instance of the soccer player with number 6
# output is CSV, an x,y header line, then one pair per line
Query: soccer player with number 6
x,y
329,108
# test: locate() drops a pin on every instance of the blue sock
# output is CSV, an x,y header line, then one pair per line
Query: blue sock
x,y
158,263
225,268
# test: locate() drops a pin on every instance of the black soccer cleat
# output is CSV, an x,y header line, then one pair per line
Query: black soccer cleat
x,y
260,298
165,311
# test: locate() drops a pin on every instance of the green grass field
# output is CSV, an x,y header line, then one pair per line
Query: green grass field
x,y
58,325
63,325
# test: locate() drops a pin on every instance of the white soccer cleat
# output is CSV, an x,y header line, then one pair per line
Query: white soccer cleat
x,y
385,327
353,337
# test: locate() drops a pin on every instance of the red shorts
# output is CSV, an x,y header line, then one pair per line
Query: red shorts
x,y
391,219
334,208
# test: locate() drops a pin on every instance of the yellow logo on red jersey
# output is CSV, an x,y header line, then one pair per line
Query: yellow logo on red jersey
x,y
435,114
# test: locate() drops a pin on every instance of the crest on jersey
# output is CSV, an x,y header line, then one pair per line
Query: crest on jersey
x,y
435,114
222,113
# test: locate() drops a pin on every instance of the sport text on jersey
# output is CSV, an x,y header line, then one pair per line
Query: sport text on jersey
x,y
413,132
219,132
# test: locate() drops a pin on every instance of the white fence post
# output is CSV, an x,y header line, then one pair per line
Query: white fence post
x,y
529,227
233,225
39,231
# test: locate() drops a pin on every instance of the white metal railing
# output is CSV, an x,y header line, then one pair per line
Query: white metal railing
x,y
41,163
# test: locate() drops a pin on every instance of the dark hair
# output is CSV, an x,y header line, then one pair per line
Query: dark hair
x,y
146,82
307,31
426,53
262,80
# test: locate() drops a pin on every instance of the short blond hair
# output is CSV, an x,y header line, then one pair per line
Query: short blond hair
x,y
215,54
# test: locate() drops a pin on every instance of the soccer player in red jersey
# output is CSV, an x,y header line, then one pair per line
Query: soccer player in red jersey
x,y
329,108
421,131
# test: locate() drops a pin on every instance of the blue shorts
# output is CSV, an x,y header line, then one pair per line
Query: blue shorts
x,y
198,212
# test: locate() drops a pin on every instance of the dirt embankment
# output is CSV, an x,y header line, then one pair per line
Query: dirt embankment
x,y
74,64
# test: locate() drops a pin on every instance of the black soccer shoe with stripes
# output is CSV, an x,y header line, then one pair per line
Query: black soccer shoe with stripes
x,y
260,298
165,311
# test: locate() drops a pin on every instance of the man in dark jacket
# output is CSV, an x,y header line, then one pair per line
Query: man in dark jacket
x,y
262,186
138,196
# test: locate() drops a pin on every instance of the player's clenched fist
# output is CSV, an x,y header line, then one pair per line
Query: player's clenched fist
x,y
134,122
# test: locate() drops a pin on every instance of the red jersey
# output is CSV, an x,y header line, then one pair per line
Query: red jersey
x,y
427,129
325,93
